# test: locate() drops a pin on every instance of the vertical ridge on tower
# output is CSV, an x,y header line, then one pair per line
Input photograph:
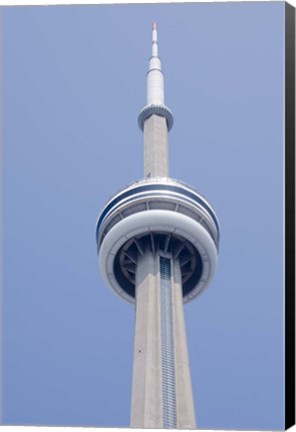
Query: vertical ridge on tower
x,y
167,345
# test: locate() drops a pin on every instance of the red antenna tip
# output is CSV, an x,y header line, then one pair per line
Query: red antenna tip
x,y
154,25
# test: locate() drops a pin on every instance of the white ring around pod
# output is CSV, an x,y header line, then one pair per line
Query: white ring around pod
x,y
155,221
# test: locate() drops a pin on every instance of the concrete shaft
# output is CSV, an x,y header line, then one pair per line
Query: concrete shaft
x,y
159,370
155,147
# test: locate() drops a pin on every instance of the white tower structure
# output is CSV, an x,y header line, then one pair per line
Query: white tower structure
x,y
158,243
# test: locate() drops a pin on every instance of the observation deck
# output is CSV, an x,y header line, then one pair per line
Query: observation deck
x,y
167,216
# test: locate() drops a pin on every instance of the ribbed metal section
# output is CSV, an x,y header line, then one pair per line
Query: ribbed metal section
x,y
167,346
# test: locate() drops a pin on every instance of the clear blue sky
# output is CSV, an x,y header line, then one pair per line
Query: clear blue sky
x,y
73,84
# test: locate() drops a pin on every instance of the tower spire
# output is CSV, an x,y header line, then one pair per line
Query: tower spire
x,y
155,88
154,40
155,119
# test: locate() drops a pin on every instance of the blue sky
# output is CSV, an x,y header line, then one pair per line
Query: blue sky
x,y
73,84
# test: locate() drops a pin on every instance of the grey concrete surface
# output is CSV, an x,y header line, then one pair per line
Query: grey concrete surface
x,y
146,410
155,147
147,403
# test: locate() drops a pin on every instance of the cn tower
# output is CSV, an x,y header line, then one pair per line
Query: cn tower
x,y
157,242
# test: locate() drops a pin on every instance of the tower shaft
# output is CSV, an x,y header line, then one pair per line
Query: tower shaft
x,y
155,147
162,392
